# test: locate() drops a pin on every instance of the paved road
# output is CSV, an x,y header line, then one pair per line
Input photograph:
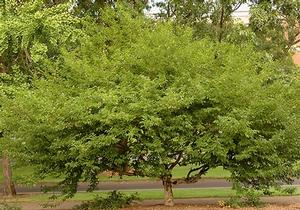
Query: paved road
x,y
132,185
138,185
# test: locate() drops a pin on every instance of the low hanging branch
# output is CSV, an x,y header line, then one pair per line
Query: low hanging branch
x,y
176,161
192,179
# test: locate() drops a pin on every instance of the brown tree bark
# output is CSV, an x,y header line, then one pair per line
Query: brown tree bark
x,y
221,25
8,184
168,192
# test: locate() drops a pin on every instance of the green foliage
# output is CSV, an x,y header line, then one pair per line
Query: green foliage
x,y
114,200
289,190
208,18
5,206
244,197
273,28
94,8
159,100
140,98
32,36
276,25
196,11
248,196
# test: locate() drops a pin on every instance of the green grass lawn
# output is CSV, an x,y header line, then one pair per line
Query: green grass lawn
x,y
22,173
143,194
149,194
178,172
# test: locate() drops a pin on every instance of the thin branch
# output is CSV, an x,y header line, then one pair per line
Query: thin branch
x,y
27,56
192,179
296,41
176,161
192,170
237,6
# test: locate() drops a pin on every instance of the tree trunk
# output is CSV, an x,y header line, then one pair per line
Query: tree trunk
x,y
169,199
8,184
221,24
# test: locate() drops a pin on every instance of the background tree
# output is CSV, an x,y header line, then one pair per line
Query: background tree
x,y
53,33
276,25
273,28
208,18
32,36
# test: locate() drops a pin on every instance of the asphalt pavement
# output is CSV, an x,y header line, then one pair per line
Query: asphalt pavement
x,y
135,185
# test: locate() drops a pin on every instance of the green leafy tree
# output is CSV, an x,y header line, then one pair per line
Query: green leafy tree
x,y
273,28
31,35
276,25
157,101
208,18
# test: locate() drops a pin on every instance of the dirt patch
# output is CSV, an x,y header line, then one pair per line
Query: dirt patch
x,y
70,204
272,203
208,207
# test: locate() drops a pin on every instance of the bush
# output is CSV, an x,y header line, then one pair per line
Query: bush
x,y
244,197
5,206
251,197
289,190
114,200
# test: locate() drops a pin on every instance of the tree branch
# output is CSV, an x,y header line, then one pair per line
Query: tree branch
x,y
296,41
176,161
192,179
237,6
221,23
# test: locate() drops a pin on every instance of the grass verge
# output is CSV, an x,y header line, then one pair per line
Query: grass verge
x,y
219,192
179,172
143,194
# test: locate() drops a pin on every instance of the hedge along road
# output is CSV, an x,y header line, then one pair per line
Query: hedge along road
x,y
136,185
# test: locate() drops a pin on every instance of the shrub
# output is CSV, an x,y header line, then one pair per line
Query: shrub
x,y
114,200
289,190
245,196
5,206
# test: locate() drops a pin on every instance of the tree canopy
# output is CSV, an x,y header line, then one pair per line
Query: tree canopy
x,y
162,101
125,93
273,25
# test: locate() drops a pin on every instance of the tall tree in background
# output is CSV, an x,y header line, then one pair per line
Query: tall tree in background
x,y
32,35
276,25
208,18
33,32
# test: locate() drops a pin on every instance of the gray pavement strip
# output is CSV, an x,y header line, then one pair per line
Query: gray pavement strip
x,y
140,185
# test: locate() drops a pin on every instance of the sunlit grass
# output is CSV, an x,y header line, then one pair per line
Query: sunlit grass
x,y
143,194
220,192
178,172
